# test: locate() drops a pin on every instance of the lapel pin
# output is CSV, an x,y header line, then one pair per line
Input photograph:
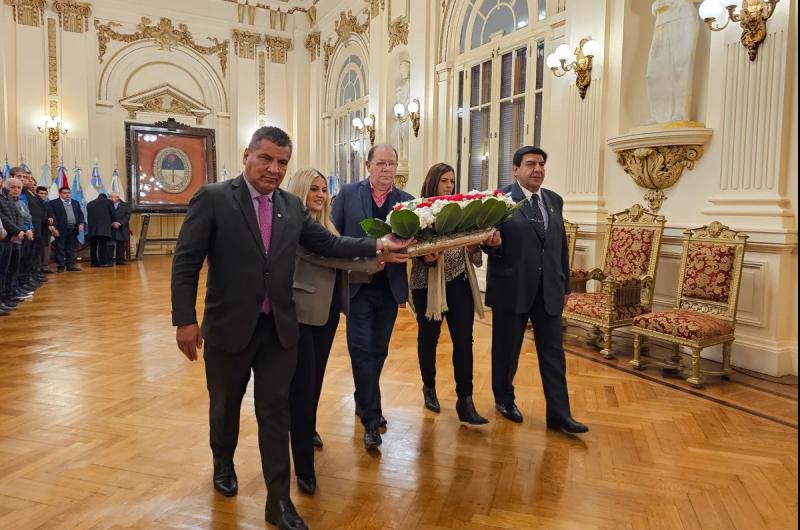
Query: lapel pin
x,y
279,215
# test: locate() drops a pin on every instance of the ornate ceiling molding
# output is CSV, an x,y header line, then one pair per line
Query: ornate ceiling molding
x,y
245,43
313,44
278,48
73,16
375,6
165,99
165,34
28,12
345,27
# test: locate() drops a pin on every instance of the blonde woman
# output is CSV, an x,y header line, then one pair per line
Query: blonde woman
x,y
321,293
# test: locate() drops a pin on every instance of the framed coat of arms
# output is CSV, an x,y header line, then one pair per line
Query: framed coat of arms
x,y
167,162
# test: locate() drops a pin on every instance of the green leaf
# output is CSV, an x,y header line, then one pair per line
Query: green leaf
x,y
511,211
405,223
492,211
376,228
449,219
469,216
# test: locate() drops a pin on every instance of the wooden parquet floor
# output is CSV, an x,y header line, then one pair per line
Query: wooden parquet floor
x,y
103,424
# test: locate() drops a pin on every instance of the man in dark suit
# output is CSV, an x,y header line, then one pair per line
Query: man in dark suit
x,y
249,230
68,221
120,227
373,305
528,279
100,216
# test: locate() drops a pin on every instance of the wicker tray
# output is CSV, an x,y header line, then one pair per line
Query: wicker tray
x,y
442,243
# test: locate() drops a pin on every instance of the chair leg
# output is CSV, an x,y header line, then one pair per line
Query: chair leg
x,y
606,351
695,380
673,367
636,362
726,360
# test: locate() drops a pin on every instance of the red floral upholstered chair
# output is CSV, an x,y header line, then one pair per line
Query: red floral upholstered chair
x,y
705,307
630,258
577,277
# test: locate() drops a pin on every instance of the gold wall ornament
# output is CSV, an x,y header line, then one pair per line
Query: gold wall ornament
x,y
165,34
348,24
752,16
658,168
262,83
313,44
28,12
278,48
73,16
52,59
375,6
164,99
579,61
656,157
398,32
245,43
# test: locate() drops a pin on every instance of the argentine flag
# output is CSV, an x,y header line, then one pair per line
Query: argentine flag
x,y
116,186
77,195
6,171
96,186
46,179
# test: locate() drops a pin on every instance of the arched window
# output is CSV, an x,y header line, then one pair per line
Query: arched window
x,y
351,102
499,91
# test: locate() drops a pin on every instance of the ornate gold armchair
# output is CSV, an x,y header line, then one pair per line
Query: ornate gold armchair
x,y
577,277
706,302
630,258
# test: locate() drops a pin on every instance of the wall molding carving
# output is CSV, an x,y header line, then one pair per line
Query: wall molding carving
x,y
278,48
28,12
165,34
245,43
345,27
313,44
165,99
398,32
73,16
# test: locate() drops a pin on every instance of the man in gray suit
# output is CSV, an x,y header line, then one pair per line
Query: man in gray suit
x,y
249,229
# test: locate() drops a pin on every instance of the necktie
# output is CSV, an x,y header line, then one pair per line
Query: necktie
x,y
539,214
265,227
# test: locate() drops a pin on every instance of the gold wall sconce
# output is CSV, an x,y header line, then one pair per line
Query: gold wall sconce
x,y
55,129
367,124
580,60
411,112
752,16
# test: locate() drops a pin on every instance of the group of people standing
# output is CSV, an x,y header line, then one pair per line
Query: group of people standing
x,y
283,265
29,223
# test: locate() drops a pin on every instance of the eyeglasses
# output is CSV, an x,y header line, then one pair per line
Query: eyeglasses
x,y
382,164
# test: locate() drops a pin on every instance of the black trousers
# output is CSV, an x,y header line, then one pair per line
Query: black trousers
x,y
508,331
27,259
313,351
227,376
67,248
370,321
5,262
460,319
99,250
12,272
119,251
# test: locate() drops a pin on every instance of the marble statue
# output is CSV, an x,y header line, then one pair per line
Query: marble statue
x,y
670,67
402,95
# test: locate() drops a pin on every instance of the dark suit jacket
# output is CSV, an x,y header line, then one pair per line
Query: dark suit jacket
x,y
121,215
352,205
38,213
60,215
516,267
100,214
221,226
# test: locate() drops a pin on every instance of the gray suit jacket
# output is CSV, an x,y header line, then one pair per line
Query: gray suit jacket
x,y
221,226
314,278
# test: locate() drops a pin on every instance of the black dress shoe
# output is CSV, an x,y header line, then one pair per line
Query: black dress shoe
x,y
431,401
307,485
60,269
284,515
225,480
372,438
467,413
509,411
568,426
316,441
381,423
105,265
73,268
123,262
48,271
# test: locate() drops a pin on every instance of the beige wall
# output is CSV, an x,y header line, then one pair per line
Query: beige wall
x,y
747,177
